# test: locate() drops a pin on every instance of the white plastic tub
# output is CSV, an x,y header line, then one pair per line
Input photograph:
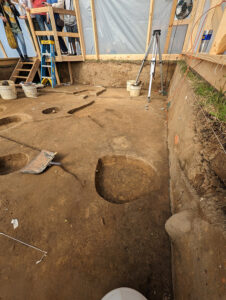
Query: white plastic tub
x,y
30,90
129,82
8,92
135,90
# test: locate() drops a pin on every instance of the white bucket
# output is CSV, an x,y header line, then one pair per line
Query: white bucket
x,y
135,90
30,90
129,82
8,92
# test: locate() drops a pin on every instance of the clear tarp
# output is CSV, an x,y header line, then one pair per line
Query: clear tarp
x,y
177,39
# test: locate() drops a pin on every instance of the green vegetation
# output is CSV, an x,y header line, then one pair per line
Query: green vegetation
x,y
212,101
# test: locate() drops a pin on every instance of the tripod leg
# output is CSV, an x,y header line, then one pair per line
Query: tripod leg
x,y
160,62
142,64
152,70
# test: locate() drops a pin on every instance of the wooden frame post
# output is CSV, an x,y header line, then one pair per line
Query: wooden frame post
x,y
95,28
57,44
33,34
172,16
151,10
219,43
80,31
3,50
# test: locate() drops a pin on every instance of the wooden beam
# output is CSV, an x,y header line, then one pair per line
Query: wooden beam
x,y
181,22
94,28
133,57
53,24
219,43
151,10
59,33
39,10
57,75
172,16
3,50
217,59
190,26
63,11
79,23
36,44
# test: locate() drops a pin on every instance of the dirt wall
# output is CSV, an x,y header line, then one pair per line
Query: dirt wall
x,y
6,71
197,191
113,73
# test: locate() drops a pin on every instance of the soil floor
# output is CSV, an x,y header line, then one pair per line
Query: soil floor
x,y
112,148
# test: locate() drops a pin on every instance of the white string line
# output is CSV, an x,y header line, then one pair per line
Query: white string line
x,y
12,238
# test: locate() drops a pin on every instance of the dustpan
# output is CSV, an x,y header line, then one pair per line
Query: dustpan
x,y
40,163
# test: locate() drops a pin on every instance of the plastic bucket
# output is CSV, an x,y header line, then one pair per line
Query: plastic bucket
x,y
129,82
30,90
8,92
135,90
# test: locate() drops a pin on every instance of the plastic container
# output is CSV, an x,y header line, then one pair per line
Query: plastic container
x,y
124,294
8,92
129,82
135,90
30,90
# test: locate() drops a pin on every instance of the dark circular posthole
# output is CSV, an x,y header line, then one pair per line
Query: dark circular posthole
x,y
12,162
51,110
120,179
9,121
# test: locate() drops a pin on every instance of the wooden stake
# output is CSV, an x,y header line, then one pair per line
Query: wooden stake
x,y
151,9
37,49
70,72
95,28
79,23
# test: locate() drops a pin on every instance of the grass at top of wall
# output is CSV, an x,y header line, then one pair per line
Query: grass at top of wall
x,y
212,100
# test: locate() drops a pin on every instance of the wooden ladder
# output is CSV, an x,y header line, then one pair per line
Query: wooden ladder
x,y
28,70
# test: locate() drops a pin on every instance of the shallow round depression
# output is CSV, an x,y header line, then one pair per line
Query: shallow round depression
x,y
51,110
121,179
9,122
12,162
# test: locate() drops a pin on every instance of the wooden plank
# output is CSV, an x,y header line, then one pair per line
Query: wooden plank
x,y
80,31
72,58
63,11
133,57
70,73
39,10
219,43
94,28
56,40
217,59
3,50
15,71
8,61
151,10
190,26
37,49
33,71
59,33
172,16
181,22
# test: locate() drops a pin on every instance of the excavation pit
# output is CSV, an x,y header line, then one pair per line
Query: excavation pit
x,y
12,162
50,110
120,179
8,122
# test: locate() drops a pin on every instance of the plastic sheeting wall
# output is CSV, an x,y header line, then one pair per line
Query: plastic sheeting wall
x,y
177,39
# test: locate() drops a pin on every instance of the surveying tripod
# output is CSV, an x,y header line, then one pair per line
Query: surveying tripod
x,y
155,44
